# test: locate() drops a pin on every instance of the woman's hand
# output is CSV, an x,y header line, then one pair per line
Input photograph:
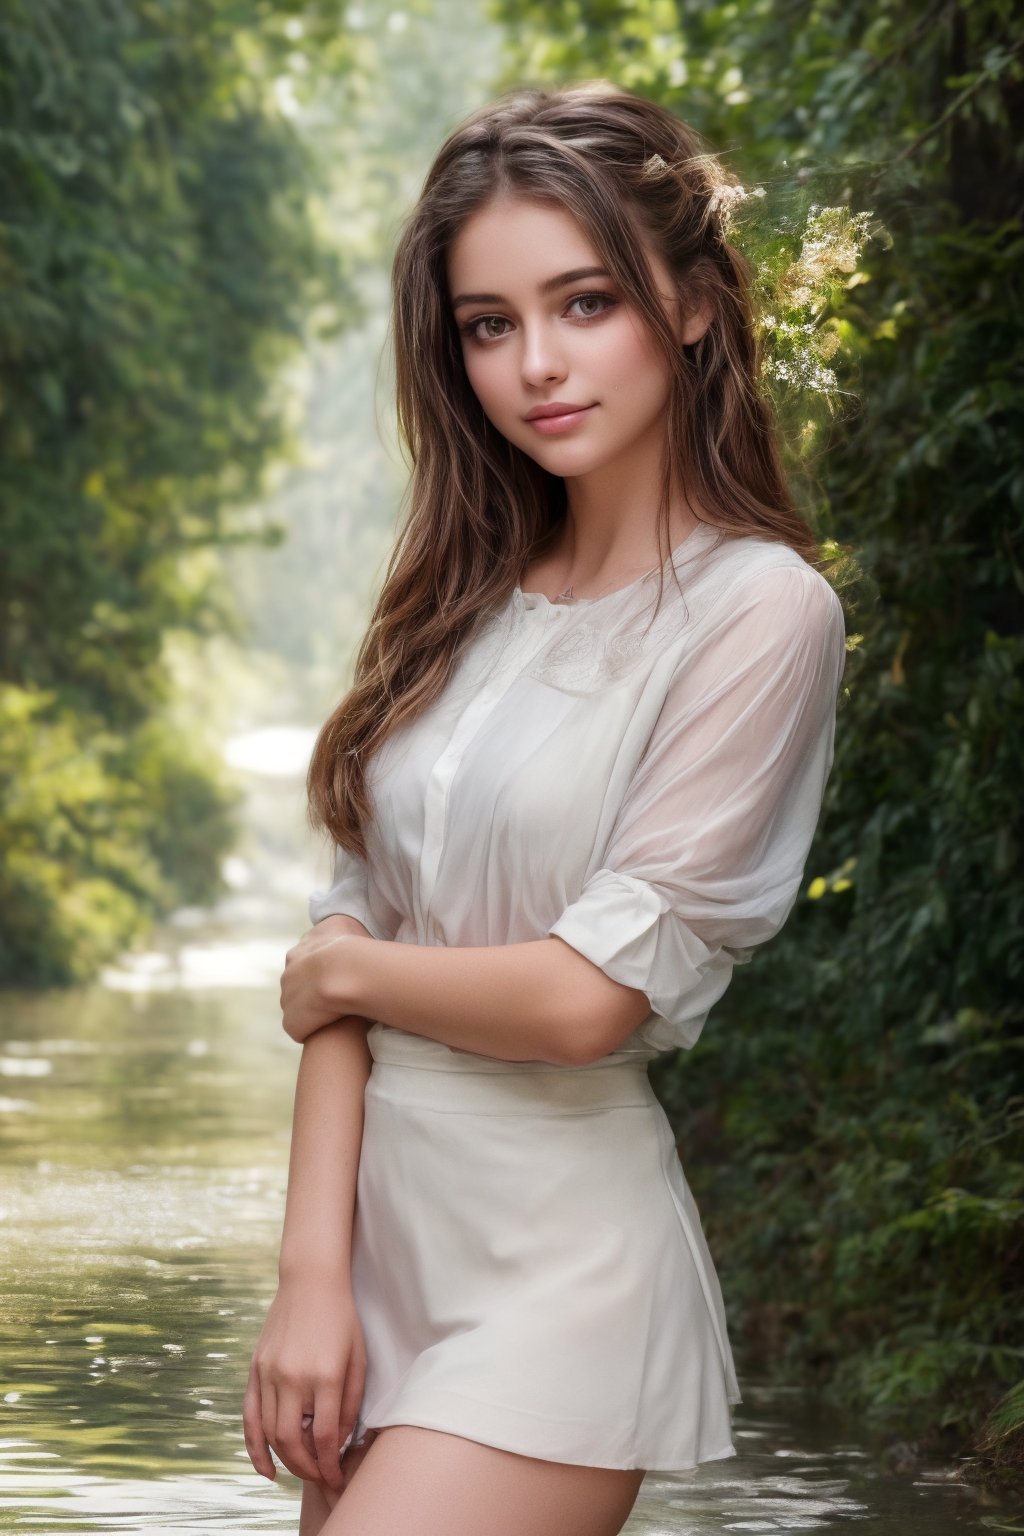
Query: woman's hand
x,y
306,1383
312,984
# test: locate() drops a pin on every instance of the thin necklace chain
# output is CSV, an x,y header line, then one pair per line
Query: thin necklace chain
x,y
567,595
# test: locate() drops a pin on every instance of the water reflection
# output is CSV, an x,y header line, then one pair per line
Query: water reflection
x,y
144,1128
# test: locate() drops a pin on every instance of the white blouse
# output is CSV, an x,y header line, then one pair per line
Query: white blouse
x,y
643,786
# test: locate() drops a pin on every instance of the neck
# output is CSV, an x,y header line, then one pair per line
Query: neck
x,y
611,522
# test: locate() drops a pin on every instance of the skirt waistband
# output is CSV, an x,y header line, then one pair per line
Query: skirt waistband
x,y
415,1070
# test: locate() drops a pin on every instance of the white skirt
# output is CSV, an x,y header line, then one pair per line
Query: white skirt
x,y
528,1262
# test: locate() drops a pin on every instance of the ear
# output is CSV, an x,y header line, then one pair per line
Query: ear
x,y
694,322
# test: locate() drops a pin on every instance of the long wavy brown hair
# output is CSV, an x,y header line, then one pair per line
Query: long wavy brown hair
x,y
479,510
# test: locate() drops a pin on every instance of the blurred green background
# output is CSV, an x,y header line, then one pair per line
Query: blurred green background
x,y
200,486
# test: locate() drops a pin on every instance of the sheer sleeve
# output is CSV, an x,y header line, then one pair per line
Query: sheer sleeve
x,y
708,848
352,895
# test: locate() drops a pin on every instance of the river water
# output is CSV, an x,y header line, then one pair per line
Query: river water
x,y
144,1133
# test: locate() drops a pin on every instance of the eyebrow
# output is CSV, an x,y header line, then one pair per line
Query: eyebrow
x,y
561,281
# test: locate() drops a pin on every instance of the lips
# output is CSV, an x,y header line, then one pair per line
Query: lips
x,y
556,408
559,416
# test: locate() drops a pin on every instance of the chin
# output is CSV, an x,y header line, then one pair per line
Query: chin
x,y
565,458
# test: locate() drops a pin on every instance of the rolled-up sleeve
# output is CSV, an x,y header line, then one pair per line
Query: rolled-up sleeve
x,y
709,846
353,894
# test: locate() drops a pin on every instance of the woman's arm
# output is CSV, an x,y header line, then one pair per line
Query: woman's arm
x,y
536,1001
310,1358
702,863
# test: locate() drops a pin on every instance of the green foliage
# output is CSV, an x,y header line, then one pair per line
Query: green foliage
x,y
97,829
856,1105
1005,1424
159,255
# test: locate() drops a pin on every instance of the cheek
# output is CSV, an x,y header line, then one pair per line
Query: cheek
x,y
638,374
623,352
487,378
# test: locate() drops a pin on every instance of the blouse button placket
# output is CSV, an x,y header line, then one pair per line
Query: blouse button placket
x,y
532,634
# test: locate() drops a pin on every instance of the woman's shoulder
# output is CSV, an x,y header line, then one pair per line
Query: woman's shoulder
x,y
755,594
766,572
734,554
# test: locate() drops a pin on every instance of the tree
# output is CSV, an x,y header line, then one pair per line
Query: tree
x,y
159,256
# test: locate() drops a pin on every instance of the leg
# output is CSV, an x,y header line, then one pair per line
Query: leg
x,y
314,1512
315,1505
422,1482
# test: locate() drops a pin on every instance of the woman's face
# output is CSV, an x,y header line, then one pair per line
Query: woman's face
x,y
543,325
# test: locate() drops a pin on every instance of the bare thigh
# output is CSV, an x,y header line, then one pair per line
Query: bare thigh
x,y
424,1482
315,1505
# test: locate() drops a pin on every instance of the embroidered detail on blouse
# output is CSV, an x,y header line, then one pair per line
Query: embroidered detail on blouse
x,y
580,649
602,641
588,657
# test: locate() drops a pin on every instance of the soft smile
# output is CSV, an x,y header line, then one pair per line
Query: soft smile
x,y
557,417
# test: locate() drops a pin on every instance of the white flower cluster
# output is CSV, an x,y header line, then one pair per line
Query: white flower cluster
x,y
807,348
801,349
832,242
726,198
805,370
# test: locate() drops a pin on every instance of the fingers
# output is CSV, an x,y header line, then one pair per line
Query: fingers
x,y
352,1392
268,1413
328,1437
352,1458
290,1024
256,1443
288,1438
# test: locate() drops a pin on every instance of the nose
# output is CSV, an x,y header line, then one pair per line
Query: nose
x,y
542,360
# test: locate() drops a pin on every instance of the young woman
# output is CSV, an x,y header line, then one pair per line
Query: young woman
x,y
574,783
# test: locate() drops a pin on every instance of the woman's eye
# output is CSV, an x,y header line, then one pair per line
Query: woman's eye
x,y
588,306
593,304
484,328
